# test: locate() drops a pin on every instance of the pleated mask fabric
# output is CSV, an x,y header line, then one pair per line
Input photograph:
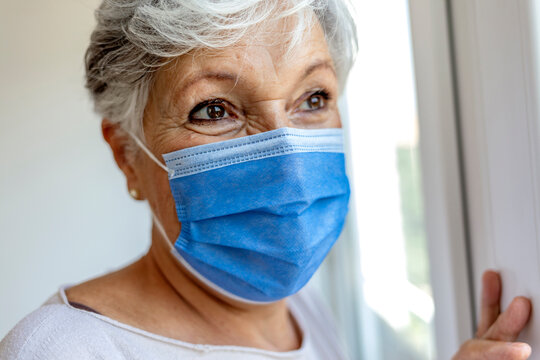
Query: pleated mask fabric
x,y
259,213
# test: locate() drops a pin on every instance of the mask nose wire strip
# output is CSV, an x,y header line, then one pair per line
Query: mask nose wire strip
x,y
149,153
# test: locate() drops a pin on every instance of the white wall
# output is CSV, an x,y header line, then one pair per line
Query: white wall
x,y
65,214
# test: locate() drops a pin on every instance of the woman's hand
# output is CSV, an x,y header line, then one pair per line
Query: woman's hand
x,y
496,335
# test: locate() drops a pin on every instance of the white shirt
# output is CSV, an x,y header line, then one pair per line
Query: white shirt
x,y
59,331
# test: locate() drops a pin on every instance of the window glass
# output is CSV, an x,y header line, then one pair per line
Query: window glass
x,y
396,304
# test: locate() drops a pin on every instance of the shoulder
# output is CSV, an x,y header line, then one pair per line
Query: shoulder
x,y
56,331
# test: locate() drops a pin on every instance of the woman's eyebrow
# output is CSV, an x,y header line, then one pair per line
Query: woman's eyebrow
x,y
216,75
318,64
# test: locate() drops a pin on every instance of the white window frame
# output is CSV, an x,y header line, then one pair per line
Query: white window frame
x,y
445,204
497,58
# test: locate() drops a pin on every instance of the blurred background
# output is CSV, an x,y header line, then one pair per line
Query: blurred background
x,y
65,215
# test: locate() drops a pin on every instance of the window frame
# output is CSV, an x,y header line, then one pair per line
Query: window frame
x,y
442,173
497,46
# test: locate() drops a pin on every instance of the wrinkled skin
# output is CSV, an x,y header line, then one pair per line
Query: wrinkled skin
x,y
497,332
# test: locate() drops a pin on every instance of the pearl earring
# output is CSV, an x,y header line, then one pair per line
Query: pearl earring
x,y
134,194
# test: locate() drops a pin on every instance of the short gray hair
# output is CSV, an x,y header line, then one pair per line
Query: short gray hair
x,y
134,38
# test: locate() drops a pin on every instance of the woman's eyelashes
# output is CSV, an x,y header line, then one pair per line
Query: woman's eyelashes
x,y
315,101
214,110
211,110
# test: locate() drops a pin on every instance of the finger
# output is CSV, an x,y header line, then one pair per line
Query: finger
x,y
511,322
491,294
477,349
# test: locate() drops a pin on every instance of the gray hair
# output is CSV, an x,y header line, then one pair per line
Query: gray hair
x,y
134,38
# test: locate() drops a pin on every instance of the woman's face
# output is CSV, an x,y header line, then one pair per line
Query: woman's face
x,y
211,96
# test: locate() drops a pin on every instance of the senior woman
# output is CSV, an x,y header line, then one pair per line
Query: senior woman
x,y
223,116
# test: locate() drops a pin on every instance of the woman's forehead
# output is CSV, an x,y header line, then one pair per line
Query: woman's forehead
x,y
259,57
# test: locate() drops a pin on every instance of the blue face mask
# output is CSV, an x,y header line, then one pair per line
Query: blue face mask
x,y
259,213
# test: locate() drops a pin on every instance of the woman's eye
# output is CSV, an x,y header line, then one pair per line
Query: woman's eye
x,y
212,112
314,102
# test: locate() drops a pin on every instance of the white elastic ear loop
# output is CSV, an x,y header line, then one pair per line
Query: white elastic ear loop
x,y
161,229
149,153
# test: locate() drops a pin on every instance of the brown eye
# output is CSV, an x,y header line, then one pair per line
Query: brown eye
x,y
210,111
215,111
314,102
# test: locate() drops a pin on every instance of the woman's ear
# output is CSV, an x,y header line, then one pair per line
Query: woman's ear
x,y
119,141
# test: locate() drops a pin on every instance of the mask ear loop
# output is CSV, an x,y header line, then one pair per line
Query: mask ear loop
x,y
155,219
169,171
150,154
161,229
